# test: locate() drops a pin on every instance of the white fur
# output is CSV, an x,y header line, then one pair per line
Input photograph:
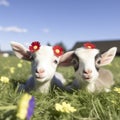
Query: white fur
x,y
44,60
43,66
87,62
88,76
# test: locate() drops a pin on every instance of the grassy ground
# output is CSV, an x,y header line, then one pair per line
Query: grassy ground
x,y
102,106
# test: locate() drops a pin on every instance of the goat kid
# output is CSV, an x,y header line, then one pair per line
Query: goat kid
x,y
87,62
44,61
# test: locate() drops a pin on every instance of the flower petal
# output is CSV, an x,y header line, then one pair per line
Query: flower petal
x,y
89,45
34,46
58,50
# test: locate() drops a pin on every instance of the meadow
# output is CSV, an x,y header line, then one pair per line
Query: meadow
x,y
97,106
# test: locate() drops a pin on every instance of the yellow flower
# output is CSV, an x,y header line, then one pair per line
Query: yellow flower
x,y
19,65
117,90
64,107
58,107
12,70
22,114
114,102
4,79
23,106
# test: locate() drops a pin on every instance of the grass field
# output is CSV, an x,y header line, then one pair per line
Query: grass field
x,y
102,106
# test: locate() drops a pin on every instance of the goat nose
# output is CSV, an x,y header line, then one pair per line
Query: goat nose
x,y
40,71
88,71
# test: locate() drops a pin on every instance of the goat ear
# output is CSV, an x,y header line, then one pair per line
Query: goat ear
x,y
20,51
66,58
107,57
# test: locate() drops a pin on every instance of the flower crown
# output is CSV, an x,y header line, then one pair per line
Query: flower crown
x,y
35,46
58,50
89,45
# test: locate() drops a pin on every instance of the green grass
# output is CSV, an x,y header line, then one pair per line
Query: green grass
x,y
102,106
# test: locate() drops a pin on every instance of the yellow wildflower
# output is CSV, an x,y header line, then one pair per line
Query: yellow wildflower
x,y
113,101
117,90
58,107
64,107
19,65
12,70
22,106
4,79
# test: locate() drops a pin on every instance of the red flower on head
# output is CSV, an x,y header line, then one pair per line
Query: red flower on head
x,y
89,45
58,50
34,46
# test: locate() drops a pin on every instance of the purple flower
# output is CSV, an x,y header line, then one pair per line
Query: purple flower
x,y
26,107
31,108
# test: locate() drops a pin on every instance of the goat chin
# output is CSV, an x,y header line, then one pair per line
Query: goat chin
x,y
43,87
103,83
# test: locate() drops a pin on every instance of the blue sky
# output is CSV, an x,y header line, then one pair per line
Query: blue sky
x,y
53,21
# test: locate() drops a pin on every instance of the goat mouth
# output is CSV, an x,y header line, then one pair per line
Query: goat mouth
x,y
86,77
38,77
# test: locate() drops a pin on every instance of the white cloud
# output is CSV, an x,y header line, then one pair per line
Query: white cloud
x,y
45,30
13,29
4,3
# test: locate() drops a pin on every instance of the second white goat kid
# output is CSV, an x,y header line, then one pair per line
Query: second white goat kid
x,y
87,62
44,61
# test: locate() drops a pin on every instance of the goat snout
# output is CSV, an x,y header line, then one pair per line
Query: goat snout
x,y
87,74
87,71
40,71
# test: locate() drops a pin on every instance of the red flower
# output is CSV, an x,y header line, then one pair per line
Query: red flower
x,y
34,46
58,50
89,45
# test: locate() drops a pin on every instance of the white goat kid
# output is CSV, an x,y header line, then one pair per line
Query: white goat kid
x,y
44,62
87,62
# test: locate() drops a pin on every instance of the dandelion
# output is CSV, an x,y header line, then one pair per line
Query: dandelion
x,y
12,70
64,107
4,79
26,107
19,65
117,90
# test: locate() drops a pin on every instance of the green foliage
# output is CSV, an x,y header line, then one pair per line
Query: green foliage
x,y
97,106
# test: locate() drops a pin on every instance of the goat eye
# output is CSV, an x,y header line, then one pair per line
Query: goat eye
x,y
98,61
55,61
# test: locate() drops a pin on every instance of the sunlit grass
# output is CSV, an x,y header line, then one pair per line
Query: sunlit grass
x,y
102,106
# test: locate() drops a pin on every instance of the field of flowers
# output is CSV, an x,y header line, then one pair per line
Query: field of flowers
x,y
57,105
